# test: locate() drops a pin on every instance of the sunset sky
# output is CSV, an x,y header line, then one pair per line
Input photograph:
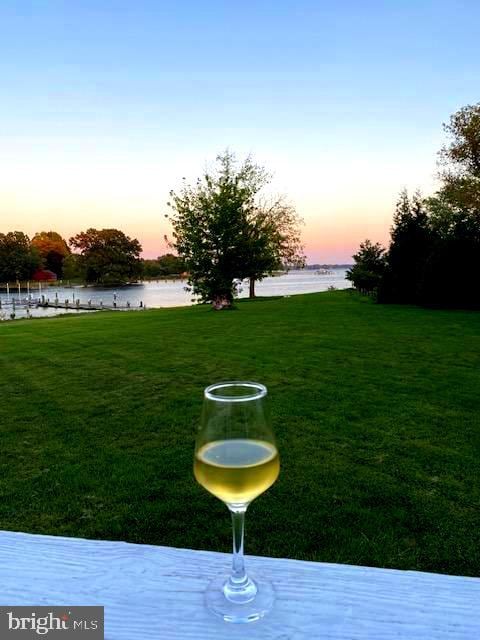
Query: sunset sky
x,y
105,105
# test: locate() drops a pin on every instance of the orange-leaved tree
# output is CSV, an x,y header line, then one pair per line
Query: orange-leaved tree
x,y
52,249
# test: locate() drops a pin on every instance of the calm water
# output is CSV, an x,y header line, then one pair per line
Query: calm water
x,y
172,293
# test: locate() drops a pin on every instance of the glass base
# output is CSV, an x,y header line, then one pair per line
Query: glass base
x,y
247,603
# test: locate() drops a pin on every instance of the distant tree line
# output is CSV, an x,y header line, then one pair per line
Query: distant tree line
x,y
94,256
166,265
224,231
434,253
334,265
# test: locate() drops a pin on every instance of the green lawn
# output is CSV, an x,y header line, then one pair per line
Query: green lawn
x,y
376,409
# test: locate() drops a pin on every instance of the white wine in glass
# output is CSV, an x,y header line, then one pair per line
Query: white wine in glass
x,y
237,470
236,459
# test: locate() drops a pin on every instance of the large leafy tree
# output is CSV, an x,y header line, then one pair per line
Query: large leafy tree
x,y
107,256
273,240
18,259
452,270
225,233
460,160
71,267
455,216
53,250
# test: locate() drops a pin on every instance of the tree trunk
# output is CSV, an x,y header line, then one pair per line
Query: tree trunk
x,y
221,302
252,288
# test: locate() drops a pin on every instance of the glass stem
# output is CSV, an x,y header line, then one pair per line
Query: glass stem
x,y
238,577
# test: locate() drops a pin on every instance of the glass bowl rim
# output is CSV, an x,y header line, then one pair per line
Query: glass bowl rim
x,y
258,391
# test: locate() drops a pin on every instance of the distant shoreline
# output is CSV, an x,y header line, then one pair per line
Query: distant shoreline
x,y
312,267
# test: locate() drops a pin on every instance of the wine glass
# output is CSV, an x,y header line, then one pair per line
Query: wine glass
x,y
236,459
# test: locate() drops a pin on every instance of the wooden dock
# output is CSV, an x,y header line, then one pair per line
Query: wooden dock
x,y
12,304
88,306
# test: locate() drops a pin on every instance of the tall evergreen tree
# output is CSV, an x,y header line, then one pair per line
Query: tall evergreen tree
x,y
408,252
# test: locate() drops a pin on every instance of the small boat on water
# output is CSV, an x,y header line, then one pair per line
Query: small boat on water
x,y
323,272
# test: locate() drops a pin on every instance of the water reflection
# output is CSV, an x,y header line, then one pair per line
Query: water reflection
x,y
165,293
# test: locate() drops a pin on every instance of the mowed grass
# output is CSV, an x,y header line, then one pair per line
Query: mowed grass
x,y
376,409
